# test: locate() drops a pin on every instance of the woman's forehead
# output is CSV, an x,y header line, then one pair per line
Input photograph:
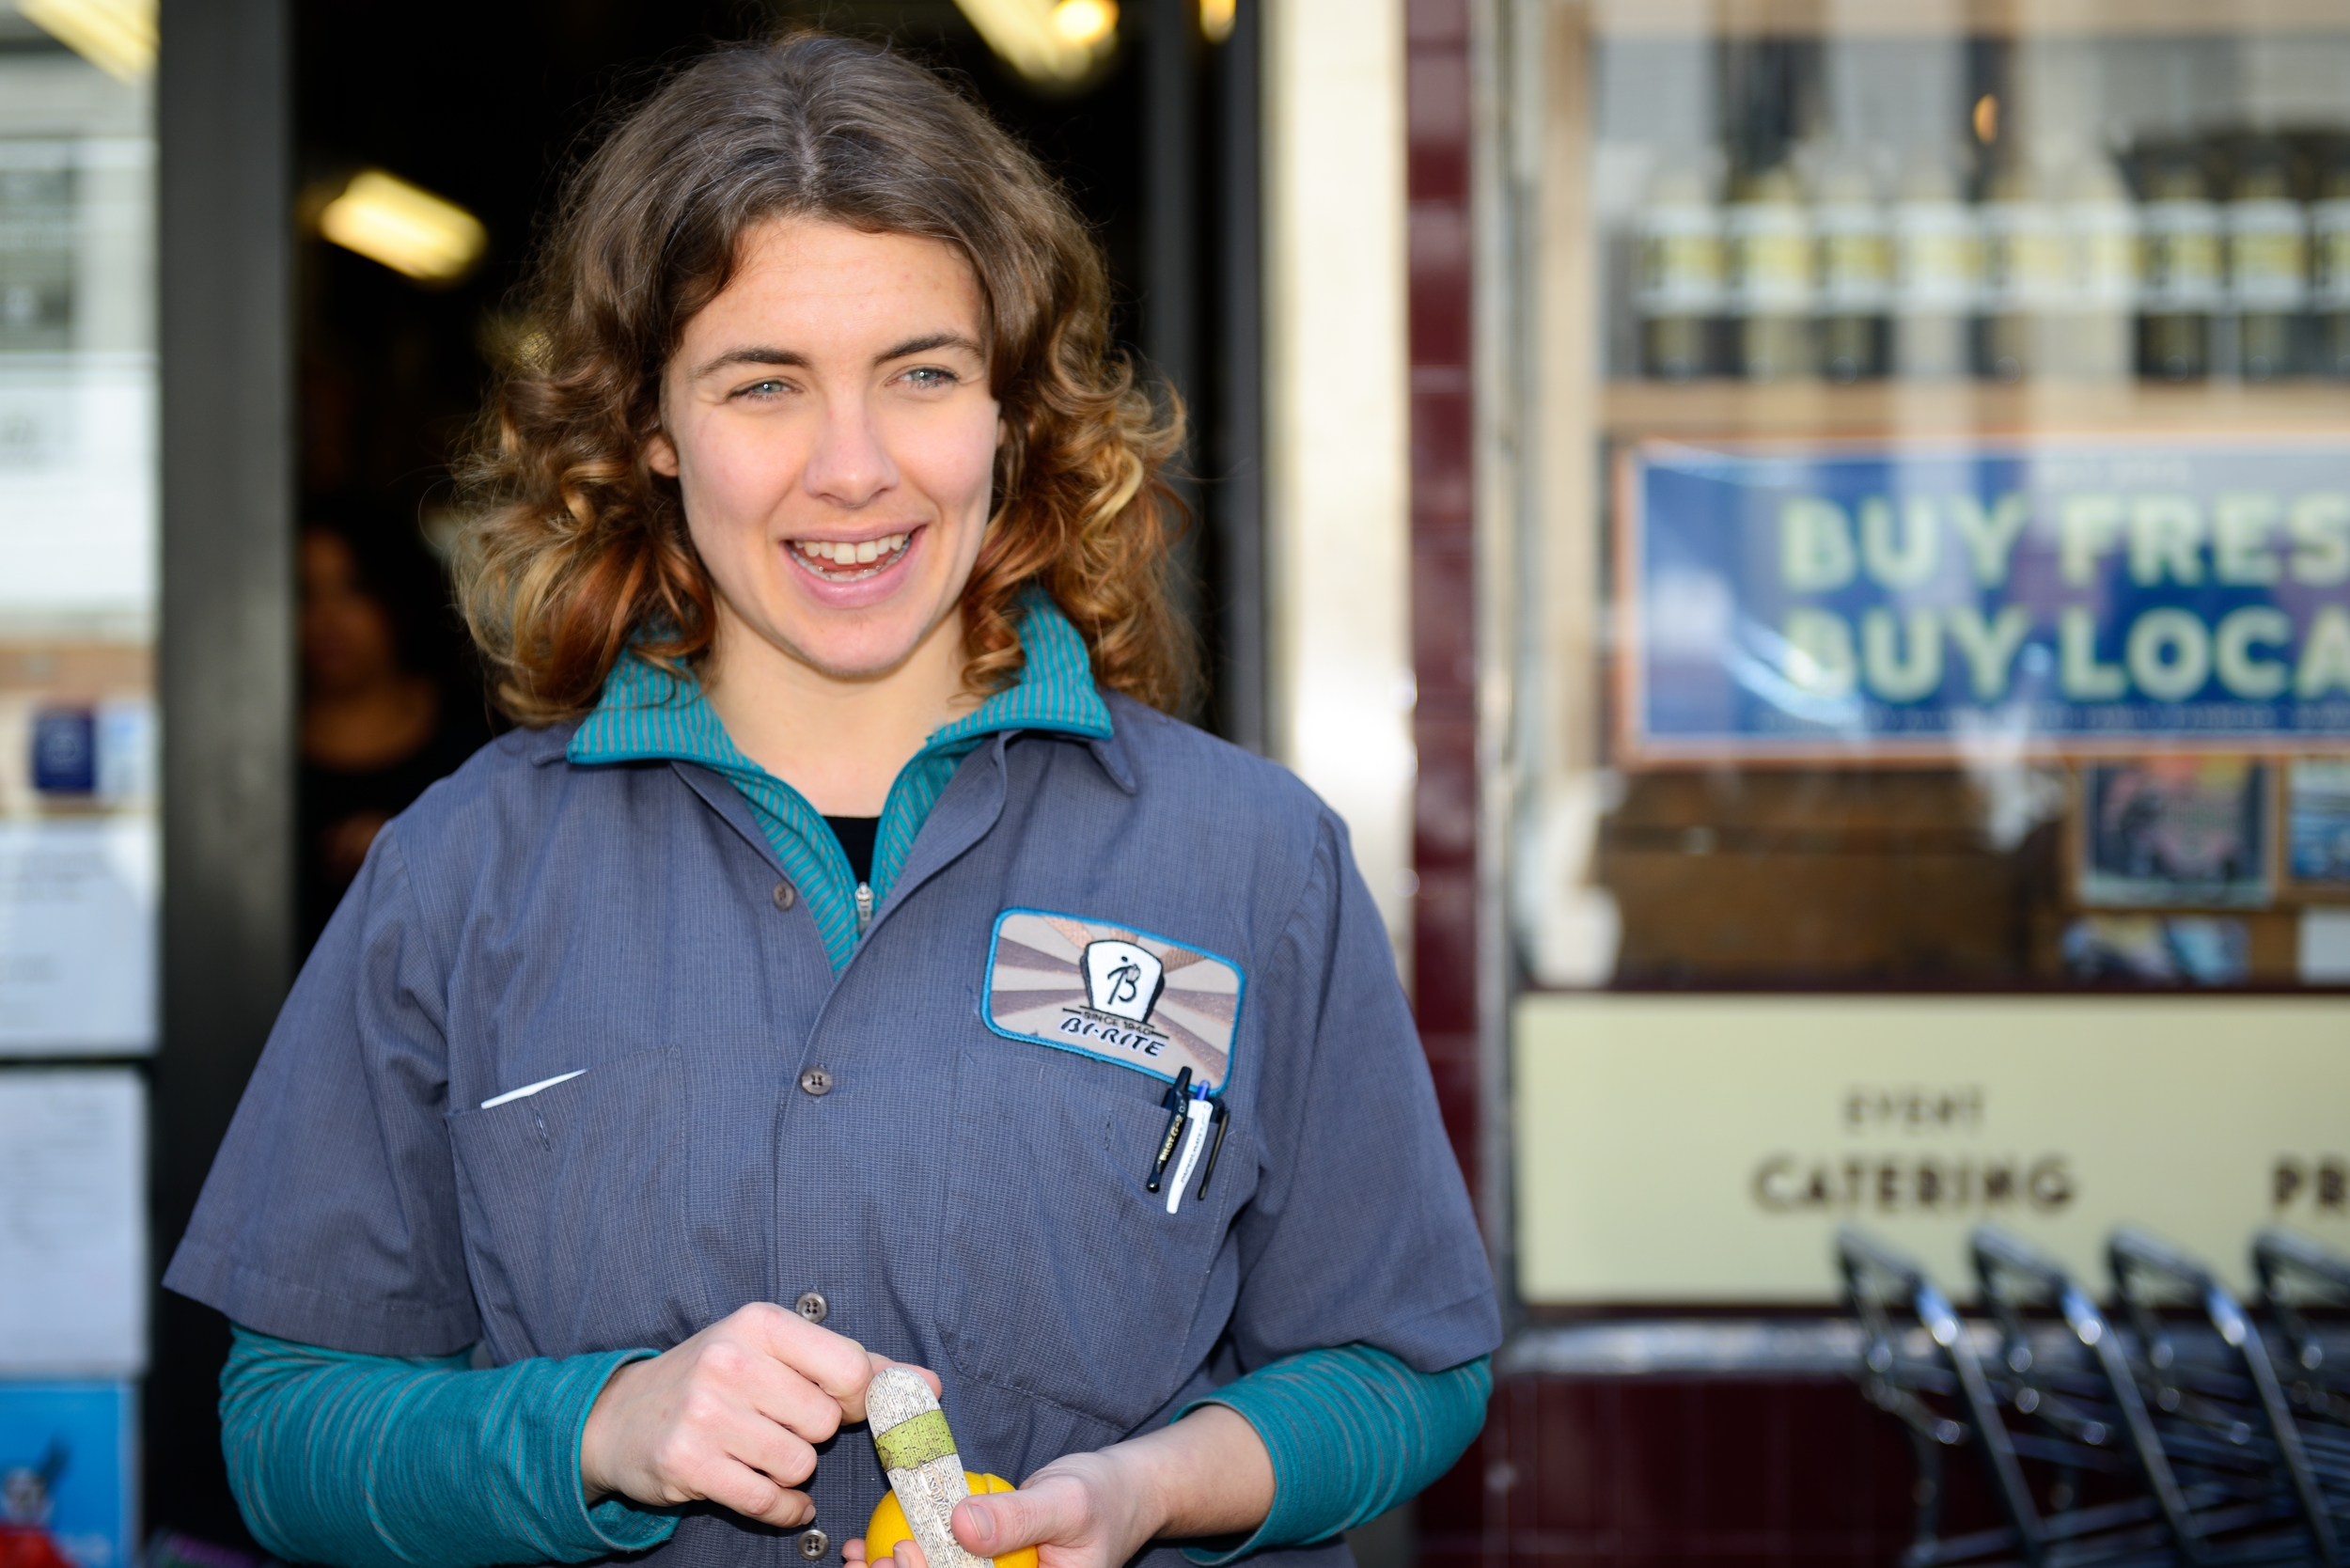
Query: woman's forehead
x,y
823,275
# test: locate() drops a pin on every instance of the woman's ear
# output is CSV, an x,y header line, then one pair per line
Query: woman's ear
x,y
660,455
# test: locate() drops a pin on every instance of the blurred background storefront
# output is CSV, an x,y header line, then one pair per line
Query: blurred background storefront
x,y
1903,785
1810,540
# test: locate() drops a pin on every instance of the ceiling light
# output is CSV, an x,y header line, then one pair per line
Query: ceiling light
x,y
115,35
1215,19
410,230
1049,44
1084,23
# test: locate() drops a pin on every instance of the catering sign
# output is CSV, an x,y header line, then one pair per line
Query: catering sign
x,y
1810,601
1707,1149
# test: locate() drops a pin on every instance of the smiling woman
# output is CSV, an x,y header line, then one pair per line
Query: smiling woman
x,y
830,934
836,472
754,155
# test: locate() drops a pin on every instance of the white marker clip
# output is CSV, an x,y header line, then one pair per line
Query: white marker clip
x,y
1198,1113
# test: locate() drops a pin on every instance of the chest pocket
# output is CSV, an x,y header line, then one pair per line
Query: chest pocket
x,y
573,1202
1061,1276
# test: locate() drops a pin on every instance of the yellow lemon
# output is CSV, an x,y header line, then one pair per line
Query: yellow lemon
x,y
889,1525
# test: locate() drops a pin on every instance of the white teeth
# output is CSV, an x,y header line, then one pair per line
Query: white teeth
x,y
843,553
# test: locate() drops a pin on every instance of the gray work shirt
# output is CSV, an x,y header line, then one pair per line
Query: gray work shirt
x,y
744,1127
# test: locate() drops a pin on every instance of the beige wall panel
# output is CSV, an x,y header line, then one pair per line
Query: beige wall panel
x,y
1705,1149
1338,438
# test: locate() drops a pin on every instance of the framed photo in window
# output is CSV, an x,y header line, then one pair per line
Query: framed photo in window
x,y
2316,828
2174,832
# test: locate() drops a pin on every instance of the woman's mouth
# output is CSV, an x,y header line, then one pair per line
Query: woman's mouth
x,y
844,560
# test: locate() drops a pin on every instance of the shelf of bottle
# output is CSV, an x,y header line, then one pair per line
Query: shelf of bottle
x,y
1633,409
1965,18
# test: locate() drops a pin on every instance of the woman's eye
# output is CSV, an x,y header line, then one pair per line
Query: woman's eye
x,y
929,376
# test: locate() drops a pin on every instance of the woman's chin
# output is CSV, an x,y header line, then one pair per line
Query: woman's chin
x,y
866,645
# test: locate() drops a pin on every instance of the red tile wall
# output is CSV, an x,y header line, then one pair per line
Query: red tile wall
x,y
1444,630
1654,1472
1614,1472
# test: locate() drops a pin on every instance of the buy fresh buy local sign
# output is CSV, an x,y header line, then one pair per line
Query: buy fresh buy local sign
x,y
2052,596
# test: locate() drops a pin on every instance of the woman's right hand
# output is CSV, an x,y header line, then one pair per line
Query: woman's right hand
x,y
732,1415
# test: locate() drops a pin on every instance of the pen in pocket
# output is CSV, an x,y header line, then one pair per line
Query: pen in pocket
x,y
1223,1125
1197,1115
1177,1099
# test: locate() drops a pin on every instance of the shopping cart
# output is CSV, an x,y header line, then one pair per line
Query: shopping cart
x,y
2293,1271
2228,1420
2029,1412
2220,1490
1914,1388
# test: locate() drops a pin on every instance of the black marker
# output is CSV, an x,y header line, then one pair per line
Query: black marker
x,y
1223,1121
1175,1096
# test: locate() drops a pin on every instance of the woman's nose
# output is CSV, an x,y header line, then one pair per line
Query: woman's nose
x,y
850,465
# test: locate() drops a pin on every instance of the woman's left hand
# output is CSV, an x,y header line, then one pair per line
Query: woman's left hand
x,y
1207,1474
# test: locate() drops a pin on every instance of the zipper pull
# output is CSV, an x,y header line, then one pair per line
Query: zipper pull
x,y
864,906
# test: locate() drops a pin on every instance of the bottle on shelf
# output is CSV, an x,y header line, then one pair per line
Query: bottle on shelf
x,y
2093,335
1937,270
2268,259
2184,279
2026,271
1771,279
1677,291
1854,267
2330,256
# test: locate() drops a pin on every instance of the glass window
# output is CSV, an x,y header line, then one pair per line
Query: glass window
x,y
78,852
1976,505
1934,523
78,548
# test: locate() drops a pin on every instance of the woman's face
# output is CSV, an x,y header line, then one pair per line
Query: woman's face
x,y
346,640
828,420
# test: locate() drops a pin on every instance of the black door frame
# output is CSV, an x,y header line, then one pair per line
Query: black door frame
x,y
225,661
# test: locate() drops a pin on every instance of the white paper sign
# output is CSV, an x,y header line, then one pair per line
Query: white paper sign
x,y
77,484
77,937
72,1222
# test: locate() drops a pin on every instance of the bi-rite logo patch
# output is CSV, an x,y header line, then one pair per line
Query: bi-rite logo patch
x,y
1110,992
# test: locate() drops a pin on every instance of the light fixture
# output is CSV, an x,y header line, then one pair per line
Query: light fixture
x,y
1215,19
115,35
407,229
1084,23
1050,44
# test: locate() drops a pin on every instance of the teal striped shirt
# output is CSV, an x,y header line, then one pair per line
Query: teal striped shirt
x,y
390,1462
648,713
383,1462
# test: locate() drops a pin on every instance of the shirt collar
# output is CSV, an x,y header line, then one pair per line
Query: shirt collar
x,y
646,712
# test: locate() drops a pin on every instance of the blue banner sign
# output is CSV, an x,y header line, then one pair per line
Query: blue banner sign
x,y
2044,596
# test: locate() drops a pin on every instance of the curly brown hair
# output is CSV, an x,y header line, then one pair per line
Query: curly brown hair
x,y
577,550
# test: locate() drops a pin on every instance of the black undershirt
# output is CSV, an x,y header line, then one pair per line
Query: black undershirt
x,y
856,836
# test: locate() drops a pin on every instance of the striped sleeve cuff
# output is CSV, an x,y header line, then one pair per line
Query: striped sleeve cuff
x,y
378,1462
1352,1432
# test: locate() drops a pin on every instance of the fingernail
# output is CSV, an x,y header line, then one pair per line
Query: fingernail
x,y
982,1522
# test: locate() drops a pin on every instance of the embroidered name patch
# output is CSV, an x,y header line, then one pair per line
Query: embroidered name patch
x,y
1109,990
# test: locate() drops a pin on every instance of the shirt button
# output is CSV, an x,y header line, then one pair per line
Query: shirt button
x,y
785,896
814,1544
816,1081
812,1306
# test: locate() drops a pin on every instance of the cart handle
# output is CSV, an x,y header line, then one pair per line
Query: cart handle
x,y
2279,1252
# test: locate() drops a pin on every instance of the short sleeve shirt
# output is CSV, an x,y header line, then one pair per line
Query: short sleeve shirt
x,y
959,1168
